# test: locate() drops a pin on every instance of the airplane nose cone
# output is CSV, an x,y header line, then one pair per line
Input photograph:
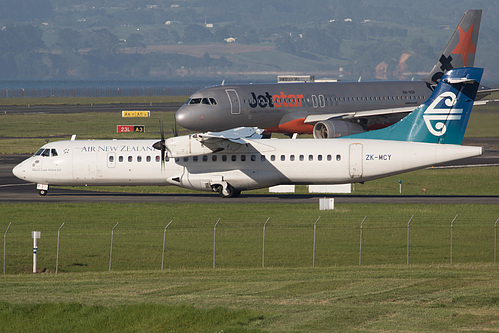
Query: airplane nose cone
x,y
19,171
188,118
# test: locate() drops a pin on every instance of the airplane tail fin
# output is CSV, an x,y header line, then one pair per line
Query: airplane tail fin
x,y
443,117
461,48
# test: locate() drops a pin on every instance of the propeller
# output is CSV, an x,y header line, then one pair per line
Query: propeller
x,y
160,145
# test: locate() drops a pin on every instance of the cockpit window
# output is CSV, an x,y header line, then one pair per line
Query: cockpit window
x,y
47,152
195,101
204,100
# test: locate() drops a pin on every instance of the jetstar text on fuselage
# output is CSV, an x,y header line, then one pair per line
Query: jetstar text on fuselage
x,y
277,101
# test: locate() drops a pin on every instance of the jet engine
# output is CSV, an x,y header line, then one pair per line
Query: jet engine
x,y
328,129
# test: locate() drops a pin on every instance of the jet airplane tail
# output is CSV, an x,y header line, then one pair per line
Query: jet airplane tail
x,y
461,48
443,117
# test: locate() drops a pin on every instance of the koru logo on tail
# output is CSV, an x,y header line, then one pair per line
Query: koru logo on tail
x,y
435,119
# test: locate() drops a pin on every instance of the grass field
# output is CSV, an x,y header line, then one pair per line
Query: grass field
x,y
383,294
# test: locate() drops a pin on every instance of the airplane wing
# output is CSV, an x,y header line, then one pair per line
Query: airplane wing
x,y
314,118
236,135
211,142
485,92
311,119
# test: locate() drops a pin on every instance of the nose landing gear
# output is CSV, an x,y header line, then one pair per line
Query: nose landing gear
x,y
42,189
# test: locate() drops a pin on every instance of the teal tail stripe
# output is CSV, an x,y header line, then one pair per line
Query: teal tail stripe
x,y
442,118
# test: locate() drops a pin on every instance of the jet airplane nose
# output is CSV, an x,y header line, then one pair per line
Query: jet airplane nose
x,y
191,119
184,117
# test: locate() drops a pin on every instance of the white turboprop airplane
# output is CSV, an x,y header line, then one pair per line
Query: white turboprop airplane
x,y
232,161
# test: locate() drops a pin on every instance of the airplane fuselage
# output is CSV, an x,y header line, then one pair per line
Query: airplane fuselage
x,y
258,164
284,107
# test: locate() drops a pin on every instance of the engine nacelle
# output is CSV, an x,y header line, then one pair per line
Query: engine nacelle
x,y
328,129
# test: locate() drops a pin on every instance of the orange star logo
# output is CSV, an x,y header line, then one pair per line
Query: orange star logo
x,y
465,46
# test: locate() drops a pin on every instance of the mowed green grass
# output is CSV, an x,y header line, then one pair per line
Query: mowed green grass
x,y
238,295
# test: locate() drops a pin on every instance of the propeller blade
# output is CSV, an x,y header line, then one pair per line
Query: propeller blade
x,y
160,145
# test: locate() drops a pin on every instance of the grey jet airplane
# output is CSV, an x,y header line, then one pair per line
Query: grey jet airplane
x,y
327,109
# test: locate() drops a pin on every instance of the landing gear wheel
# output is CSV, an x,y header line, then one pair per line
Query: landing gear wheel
x,y
42,192
229,192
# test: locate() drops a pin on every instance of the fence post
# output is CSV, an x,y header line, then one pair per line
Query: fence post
x,y
313,255
164,242
495,241
215,241
57,257
451,225
360,251
263,246
111,251
408,238
4,246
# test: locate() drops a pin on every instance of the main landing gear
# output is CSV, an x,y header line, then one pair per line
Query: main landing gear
x,y
226,191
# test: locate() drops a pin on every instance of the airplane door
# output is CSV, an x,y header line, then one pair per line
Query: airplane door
x,y
355,160
235,104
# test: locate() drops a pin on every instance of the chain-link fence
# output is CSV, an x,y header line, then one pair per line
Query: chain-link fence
x,y
242,244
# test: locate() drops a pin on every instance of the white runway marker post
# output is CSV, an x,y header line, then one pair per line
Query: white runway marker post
x,y
35,235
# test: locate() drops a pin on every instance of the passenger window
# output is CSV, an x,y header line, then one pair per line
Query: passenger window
x,y
302,157
157,158
338,157
243,158
111,158
263,158
272,157
233,158
205,158
148,159
194,158
54,152
310,157
292,157
329,157
283,157
130,158
213,158
253,158
224,158
121,158
319,157
139,158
